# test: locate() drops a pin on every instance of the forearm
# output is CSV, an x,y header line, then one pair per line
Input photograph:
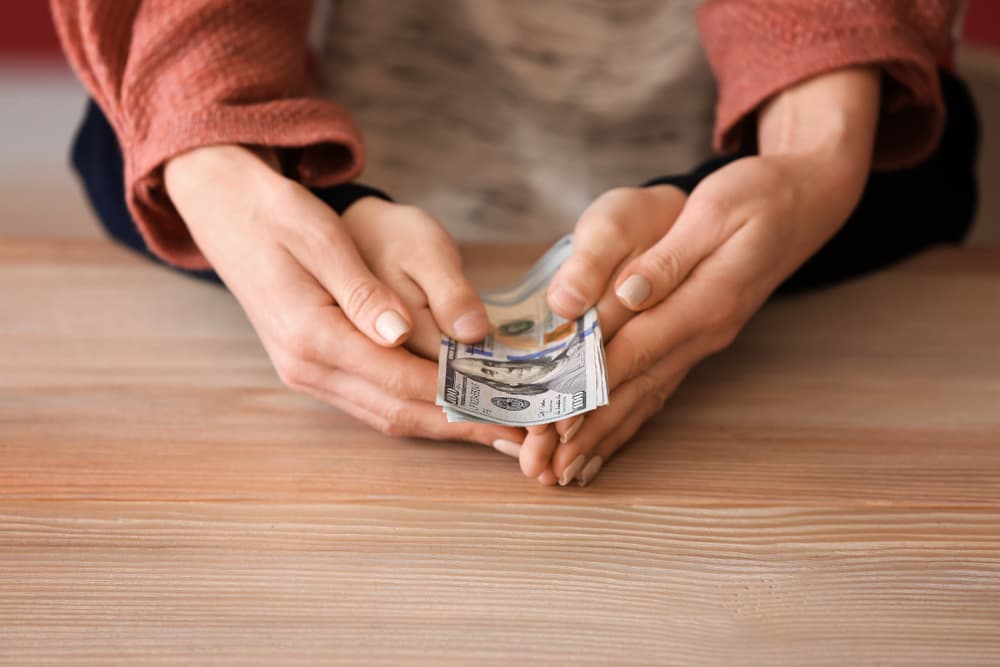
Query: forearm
x,y
835,114
832,118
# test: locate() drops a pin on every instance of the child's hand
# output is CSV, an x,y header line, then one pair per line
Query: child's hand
x,y
742,231
331,326
414,256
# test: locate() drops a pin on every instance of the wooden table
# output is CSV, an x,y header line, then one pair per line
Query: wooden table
x,y
827,491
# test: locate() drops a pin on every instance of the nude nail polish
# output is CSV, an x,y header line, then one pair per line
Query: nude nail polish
x,y
507,447
570,472
590,470
391,326
573,429
634,291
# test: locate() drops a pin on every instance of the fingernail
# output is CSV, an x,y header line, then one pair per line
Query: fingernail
x,y
634,291
567,297
572,430
570,472
507,447
590,470
391,326
471,325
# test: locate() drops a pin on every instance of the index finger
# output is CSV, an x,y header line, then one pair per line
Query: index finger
x,y
599,247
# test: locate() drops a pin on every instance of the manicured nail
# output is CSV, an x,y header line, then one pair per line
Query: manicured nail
x,y
391,326
572,430
568,297
634,291
507,447
590,470
570,472
471,325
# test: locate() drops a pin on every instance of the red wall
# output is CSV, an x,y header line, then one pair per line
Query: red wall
x,y
26,28
982,23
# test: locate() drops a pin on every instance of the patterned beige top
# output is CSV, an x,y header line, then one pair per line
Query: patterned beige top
x,y
505,118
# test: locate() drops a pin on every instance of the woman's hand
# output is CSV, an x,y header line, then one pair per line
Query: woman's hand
x,y
742,231
334,299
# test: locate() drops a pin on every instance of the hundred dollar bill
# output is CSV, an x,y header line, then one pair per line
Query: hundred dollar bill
x,y
534,367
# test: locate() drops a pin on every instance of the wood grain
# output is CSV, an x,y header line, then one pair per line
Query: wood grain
x,y
824,492
497,584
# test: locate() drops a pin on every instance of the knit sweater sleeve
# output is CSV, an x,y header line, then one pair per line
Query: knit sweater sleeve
x,y
759,47
172,75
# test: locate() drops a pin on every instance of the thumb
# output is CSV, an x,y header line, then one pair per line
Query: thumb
x,y
599,247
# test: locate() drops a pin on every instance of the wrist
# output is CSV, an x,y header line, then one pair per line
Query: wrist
x,y
219,168
833,116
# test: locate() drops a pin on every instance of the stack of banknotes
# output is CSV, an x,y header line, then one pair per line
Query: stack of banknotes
x,y
534,367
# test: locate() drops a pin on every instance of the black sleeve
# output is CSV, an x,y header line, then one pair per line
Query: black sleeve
x,y
690,180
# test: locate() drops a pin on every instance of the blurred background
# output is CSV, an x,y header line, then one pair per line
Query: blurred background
x,y
41,104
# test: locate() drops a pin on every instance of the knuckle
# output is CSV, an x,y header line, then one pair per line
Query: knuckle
x,y
651,390
397,385
655,404
648,385
454,289
722,338
398,422
665,264
621,225
658,396
298,341
640,357
361,296
292,372
585,271
710,204
586,262
725,312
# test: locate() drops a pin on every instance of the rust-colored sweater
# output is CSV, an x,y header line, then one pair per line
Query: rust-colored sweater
x,y
172,75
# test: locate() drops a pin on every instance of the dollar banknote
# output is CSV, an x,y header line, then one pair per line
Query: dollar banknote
x,y
534,367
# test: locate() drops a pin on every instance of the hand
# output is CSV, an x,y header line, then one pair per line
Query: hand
x,y
412,254
618,226
742,231
333,299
